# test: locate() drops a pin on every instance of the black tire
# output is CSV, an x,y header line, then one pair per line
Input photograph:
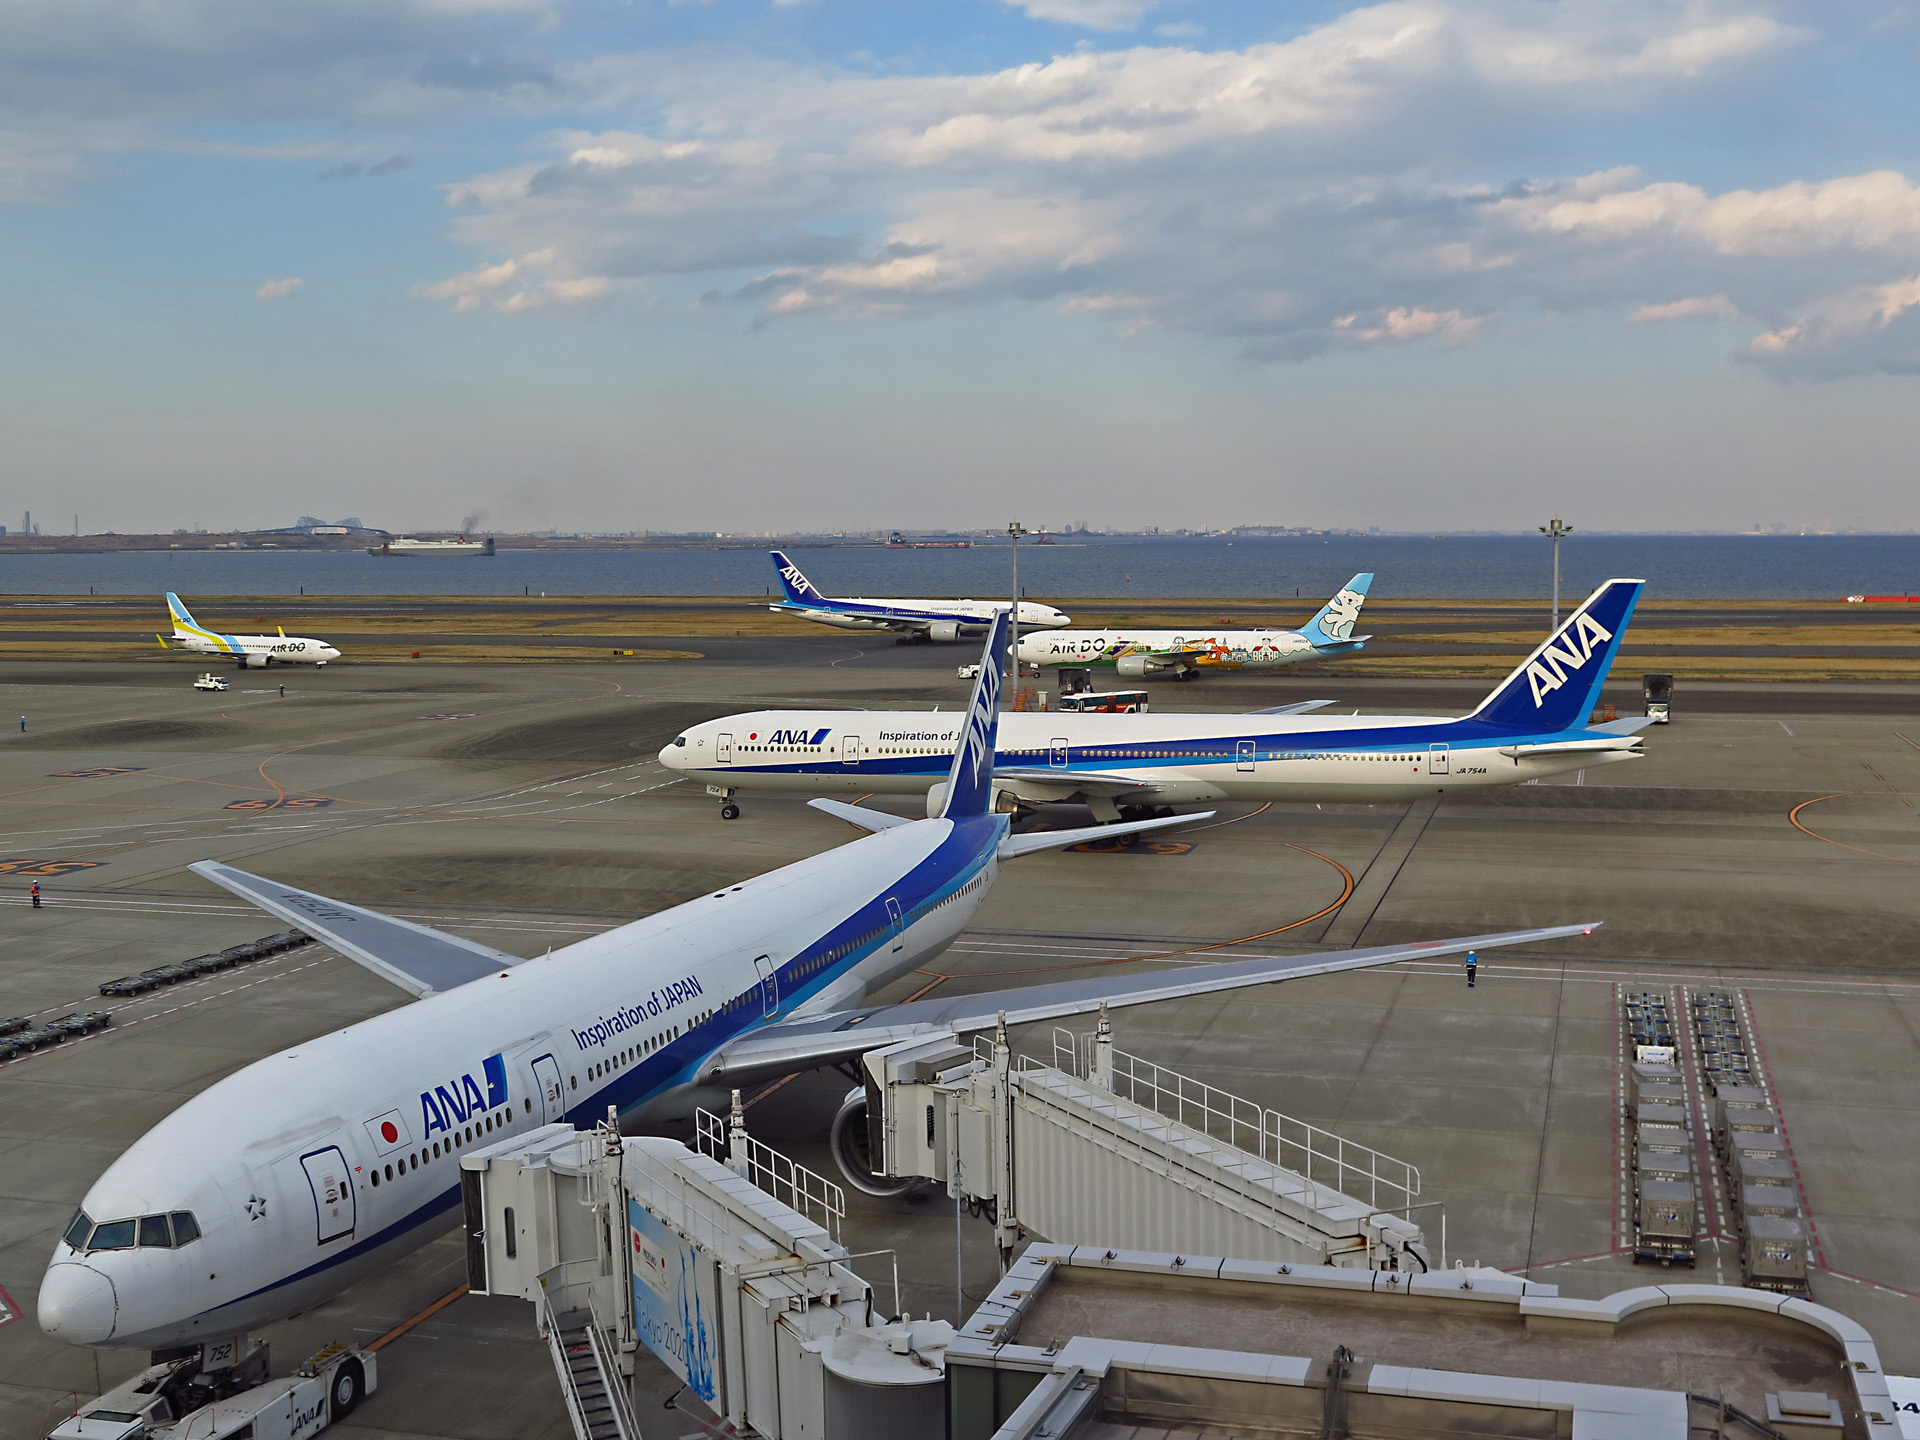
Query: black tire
x,y
729,811
344,1391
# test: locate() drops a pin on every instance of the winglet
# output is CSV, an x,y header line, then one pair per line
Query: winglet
x,y
970,780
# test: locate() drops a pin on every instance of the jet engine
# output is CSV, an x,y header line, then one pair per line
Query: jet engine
x,y
856,1149
944,631
1136,667
1005,802
256,662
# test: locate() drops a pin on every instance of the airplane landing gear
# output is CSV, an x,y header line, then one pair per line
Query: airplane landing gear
x,y
729,811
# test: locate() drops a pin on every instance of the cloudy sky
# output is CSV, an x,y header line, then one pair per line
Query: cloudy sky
x,y
764,264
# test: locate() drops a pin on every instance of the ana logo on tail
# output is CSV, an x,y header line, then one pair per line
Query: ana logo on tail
x,y
1547,672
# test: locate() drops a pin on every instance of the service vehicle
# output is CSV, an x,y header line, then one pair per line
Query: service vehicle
x,y
195,1397
1110,702
1657,690
211,682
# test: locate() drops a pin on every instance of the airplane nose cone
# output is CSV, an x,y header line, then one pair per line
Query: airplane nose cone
x,y
77,1304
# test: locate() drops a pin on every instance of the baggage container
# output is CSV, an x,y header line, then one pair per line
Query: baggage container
x,y
1750,1168
1662,1165
1668,1138
1749,1119
1658,1112
1664,1222
1774,1254
1747,1095
1751,1142
1776,1202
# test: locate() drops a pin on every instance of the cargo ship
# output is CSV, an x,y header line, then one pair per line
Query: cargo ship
x,y
406,546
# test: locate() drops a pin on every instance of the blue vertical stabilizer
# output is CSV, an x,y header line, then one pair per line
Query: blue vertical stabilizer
x,y
799,589
1558,685
970,781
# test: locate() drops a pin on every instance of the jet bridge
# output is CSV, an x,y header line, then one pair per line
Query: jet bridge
x,y
623,1242
1104,1148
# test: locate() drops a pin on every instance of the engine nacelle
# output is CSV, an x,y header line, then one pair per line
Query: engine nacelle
x,y
1136,667
1005,802
857,1150
944,631
256,662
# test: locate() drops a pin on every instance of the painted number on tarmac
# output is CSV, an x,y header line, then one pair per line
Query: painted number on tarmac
x,y
290,802
96,771
1139,847
24,866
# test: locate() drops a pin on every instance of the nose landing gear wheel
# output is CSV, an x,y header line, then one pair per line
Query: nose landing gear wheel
x,y
729,811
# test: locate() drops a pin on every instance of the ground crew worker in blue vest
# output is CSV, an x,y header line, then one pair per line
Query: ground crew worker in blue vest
x,y
1473,968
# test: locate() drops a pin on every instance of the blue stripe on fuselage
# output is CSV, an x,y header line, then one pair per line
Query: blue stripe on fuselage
x,y
954,863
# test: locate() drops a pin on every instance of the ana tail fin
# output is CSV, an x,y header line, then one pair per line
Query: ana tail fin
x,y
1557,686
970,780
799,589
1334,624
181,616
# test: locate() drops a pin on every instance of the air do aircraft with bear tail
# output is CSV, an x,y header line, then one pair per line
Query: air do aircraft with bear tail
x,y
1534,724
282,1184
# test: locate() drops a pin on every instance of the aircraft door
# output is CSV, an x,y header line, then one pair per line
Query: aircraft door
x,y
1057,752
849,749
332,1185
553,1094
723,749
896,922
1243,754
769,985
1437,760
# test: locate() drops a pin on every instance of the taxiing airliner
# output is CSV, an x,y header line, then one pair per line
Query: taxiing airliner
x,y
282,1184
1183,654
1534,724
939,620
253,652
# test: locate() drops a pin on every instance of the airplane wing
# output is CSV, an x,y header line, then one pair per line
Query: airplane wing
x,y
1091,782
1632,725
1036,840
1299,707
422,961
874,820
806,1045
1573,747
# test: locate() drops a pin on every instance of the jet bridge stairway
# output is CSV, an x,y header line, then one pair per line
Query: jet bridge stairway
x,y
593,1394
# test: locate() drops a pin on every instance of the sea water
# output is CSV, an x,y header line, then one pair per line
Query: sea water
x,y
1823,567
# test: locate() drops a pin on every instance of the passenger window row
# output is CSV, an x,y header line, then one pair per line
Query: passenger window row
x,y
427,1154
148,1232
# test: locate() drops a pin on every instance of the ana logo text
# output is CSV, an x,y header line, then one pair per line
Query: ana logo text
x,y
1547,671
797,737
446,1106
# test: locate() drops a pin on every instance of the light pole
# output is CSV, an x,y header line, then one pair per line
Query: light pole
x,y
1014,531
1555,529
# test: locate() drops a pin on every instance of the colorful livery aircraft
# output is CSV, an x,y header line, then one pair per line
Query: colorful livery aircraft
x,y
1183,654
1534,724
940,620
282,1184
253,652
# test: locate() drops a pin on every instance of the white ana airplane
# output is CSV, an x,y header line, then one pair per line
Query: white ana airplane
x,y
254,652
284,1183
1534,724
1183,654
939,620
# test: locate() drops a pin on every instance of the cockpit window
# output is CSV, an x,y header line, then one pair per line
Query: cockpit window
x,y
149,1232
679,739
114,1235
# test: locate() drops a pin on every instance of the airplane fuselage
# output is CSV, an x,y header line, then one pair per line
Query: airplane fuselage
x,y
1216,649
1182,758
939,619
257,651
318,1165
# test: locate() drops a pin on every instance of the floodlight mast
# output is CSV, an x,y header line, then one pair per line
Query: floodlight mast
x,y
1555,529
1014,531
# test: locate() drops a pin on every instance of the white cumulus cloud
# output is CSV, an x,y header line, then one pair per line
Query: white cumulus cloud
x,y
278,289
